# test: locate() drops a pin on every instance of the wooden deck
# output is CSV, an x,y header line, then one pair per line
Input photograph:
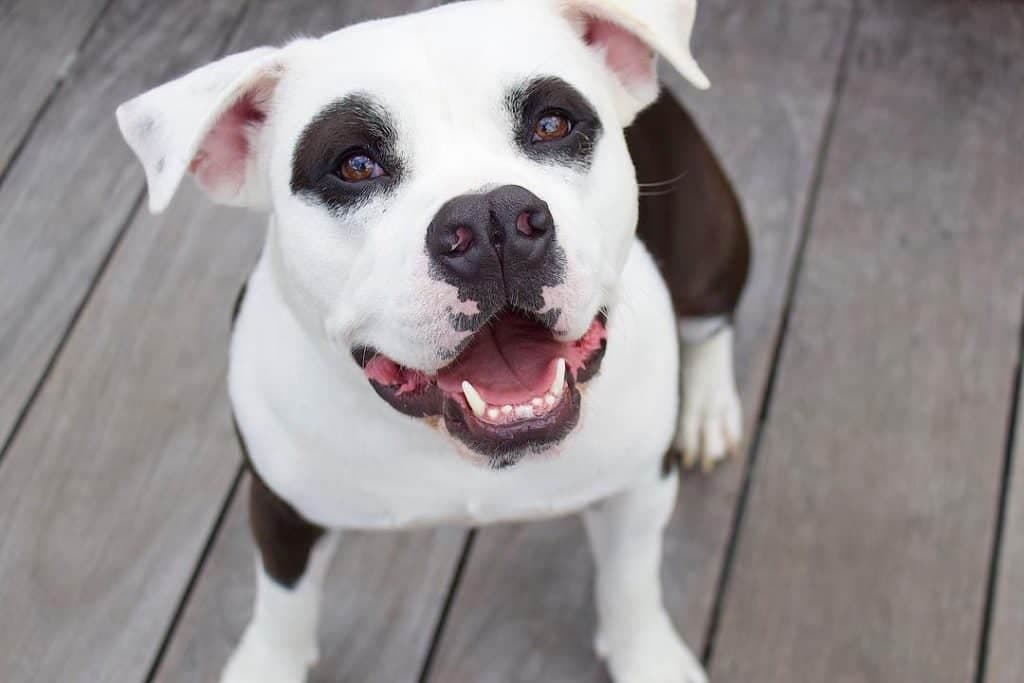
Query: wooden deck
x,y
873,532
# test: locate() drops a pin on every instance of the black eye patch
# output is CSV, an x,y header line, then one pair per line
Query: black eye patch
x,y
532,101
355,124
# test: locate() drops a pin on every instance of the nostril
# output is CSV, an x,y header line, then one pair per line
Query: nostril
x,y
523,224
532,223
461,239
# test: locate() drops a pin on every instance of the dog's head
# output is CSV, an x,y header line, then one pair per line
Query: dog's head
x,y
452,197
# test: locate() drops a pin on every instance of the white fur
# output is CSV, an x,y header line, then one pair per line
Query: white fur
x,y
697,330
280,642
711,418
165,126
316,431
635,635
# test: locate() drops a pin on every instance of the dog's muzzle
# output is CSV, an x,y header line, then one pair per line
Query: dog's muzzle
x,y
513,386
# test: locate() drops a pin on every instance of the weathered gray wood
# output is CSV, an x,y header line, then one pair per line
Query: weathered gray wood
x,y
38,39
384,596
111,486
867,537
76,183
523,611
1005,654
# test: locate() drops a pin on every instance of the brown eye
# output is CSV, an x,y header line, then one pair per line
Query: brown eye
x,y
550,127
359,166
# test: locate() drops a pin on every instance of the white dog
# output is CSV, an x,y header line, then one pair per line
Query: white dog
x,y
453,319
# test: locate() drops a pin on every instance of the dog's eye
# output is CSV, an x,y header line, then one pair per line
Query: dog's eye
x,y
359,166
551,126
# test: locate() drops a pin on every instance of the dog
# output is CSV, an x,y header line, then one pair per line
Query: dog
x,y
488,235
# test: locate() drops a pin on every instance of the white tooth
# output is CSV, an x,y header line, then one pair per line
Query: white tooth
x,y
524,412
507,410
473,398
493,413
559,384
537,402
550,400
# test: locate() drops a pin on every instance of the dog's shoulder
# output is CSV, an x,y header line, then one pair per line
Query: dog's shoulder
x,y
690,217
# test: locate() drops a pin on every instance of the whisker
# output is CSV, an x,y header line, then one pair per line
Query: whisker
x,y
658,194
670,181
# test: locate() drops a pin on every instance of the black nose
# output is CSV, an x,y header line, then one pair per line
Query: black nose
x,y
499,235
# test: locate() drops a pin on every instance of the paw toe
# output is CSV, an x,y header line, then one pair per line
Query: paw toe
x,y
709,436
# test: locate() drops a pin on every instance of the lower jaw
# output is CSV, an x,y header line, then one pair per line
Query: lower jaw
x,y
498,446
507,444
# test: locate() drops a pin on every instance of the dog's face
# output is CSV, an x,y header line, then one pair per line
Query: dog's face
x,y
452,197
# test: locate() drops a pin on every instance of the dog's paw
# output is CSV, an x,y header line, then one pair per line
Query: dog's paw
x,y
258,661
655,654
710,427
711,417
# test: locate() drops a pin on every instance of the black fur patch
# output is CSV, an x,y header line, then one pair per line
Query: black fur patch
x,y
690,218
285,538
356,123
530,102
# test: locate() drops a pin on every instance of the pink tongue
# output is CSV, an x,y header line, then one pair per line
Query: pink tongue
x,y
509,362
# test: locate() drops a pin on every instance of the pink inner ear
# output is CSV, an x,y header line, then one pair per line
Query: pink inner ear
x,y
625,54
220,163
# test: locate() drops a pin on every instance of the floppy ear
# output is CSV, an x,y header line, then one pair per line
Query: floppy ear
x,y
628,33
207,123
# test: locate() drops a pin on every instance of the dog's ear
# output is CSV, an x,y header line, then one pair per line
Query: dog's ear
x,y
627,34
207,123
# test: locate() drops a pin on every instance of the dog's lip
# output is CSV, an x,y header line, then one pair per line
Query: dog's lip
x,y
418,394
583,371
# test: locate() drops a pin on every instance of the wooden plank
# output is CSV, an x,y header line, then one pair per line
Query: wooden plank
x,y
38,40
74,187
866,542
523,610
1005,656
384,594
110,488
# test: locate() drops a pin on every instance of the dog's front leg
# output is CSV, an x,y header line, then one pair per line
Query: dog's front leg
x,y
711,419
635,635
280,643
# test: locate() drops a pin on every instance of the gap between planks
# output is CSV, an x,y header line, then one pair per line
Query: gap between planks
x,y
130,217
791,286
8,439
999,535
44,106
72,322
193,581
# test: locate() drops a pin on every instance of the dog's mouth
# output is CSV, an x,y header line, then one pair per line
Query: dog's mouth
x,y
514,388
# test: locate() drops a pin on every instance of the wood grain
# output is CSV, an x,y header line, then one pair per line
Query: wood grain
x,y
384,594
866,541
523,612
109,491
38,40
1005,655
77,183
111,485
